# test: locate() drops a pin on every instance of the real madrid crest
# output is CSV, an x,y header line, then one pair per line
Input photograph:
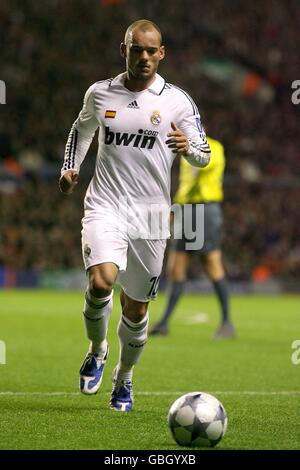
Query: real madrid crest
x,y
155,118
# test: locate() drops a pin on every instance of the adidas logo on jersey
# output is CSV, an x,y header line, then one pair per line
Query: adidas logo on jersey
x,y
144,138
133,105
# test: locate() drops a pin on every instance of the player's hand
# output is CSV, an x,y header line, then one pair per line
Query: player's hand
x,y
178,140
68,181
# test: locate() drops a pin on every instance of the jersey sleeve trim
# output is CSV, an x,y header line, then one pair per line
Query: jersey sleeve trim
x,y
194,107
71,146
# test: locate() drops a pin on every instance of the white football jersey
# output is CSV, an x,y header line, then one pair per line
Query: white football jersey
x,y
133,161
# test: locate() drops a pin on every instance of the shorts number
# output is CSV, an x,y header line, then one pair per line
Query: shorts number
x,y
154,288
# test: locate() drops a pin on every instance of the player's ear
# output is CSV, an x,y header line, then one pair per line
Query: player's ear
x,y
123,50
161,52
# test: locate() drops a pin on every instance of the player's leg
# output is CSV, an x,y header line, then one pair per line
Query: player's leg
x,y
139,285
177,267
132,332
97,309
213,266
98,304
104,252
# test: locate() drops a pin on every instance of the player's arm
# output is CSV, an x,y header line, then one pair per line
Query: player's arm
x,y
187,138
218,155
79,140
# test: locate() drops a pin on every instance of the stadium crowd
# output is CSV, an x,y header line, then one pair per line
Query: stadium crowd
x,y
238,59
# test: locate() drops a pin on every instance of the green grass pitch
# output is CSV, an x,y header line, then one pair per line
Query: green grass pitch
x,y
253,375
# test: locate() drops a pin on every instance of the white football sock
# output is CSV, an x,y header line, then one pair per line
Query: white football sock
x,y
132,337
96,315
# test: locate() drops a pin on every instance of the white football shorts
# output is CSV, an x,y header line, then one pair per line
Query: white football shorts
x,y
139,261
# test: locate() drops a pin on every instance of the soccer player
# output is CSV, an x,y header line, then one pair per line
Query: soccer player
x,y
143,124
205,186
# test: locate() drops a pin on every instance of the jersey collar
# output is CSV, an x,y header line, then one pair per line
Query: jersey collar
x,y
156,87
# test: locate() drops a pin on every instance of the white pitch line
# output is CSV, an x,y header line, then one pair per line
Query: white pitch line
x,y
200,317
159,393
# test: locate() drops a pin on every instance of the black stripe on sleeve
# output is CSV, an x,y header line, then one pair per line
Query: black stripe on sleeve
x,y
69,150
74,147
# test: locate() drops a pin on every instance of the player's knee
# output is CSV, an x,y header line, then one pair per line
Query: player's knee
x,y
209,268
213,266
135,313
100,286
178,267
177,274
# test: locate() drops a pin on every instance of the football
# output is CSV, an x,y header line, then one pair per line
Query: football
x,y
197,419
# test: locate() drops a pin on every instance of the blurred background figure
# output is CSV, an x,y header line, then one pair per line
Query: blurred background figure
x,y
200,186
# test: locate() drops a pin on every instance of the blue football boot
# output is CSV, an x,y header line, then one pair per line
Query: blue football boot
x,y
121,395
91,373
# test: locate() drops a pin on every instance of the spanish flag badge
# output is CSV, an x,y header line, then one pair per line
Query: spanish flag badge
x,y
110,114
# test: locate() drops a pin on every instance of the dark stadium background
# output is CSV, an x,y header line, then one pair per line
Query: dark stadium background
x,y
237,59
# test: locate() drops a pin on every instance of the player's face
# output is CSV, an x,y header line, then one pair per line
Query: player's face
x,y
143,53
